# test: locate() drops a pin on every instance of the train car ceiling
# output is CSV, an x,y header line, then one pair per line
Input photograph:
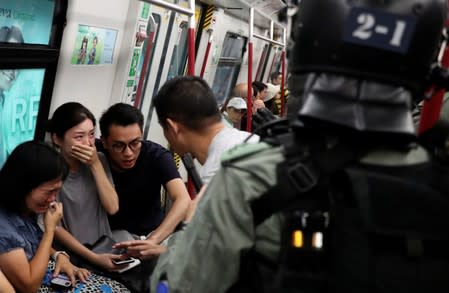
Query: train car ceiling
x,y
266,10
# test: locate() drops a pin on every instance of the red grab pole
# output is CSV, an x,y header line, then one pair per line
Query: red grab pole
x,y
191,51
283,83
206,56
432,107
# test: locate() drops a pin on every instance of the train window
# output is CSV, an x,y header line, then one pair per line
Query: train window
x,y
263,61
277,61
228,66
179,55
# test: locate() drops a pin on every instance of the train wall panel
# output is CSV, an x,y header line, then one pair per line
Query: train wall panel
x,y
90,85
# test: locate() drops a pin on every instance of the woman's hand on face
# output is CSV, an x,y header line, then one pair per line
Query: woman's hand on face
x,y
86,154
257,104
63,265
52,216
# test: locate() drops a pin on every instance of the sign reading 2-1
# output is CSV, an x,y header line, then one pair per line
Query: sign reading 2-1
x,y
378,29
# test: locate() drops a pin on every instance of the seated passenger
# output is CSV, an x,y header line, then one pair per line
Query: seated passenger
x,y
33,176
257,102
270,100
139,169
260,90
87,194
235,108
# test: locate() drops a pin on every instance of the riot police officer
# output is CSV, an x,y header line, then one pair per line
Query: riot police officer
x,y
341,197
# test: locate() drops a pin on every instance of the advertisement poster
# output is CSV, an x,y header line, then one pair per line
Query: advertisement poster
x,y
137,58
93,45
20,94
26,21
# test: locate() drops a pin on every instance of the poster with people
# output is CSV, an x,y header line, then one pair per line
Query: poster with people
x,y
93,45
24,22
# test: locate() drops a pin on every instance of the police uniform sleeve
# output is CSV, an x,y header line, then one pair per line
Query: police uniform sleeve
x,y
205,257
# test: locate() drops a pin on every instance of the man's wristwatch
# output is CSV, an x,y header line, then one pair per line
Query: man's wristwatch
x,y
57,253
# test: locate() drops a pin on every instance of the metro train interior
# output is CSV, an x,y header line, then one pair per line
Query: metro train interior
x,y
103,52
140,46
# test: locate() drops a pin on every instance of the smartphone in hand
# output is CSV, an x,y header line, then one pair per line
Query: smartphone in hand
x,y
123,261
126,264
61,281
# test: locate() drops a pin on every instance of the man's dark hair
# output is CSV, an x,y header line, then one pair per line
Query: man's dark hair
x,y
258,86
30,164
67,116
120,114
187,100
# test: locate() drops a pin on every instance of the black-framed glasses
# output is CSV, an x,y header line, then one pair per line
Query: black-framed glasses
x,y
120,147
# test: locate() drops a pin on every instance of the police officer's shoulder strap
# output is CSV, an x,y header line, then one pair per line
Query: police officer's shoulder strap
x,y
310,159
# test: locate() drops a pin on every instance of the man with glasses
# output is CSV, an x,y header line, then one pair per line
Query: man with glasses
x,y
139,169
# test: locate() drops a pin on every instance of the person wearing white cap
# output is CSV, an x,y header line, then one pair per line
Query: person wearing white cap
x,y
272,94
235,109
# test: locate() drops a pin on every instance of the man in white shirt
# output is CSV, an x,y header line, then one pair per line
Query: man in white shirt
x,y
189,115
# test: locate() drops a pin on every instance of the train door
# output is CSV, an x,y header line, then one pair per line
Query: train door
x,y
273,63
228,66
171,52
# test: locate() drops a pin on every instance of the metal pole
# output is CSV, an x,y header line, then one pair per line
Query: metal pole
x,y
173,7
283,74
249,99
269,40
206,55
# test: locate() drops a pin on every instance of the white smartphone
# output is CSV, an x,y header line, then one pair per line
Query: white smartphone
x,y
61,280
123,261
129,265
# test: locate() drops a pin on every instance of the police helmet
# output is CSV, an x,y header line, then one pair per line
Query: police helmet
x,y
375,53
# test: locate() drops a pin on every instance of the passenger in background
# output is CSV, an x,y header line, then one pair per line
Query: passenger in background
x,y
191,120
235,109
139,169
276,78
240,90
260,90
32,177
87,194
273,94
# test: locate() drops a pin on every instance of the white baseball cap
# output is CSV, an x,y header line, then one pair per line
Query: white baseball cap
x,y
272,90
237,103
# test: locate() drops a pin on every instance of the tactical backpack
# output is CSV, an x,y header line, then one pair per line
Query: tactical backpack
x,y
351,226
